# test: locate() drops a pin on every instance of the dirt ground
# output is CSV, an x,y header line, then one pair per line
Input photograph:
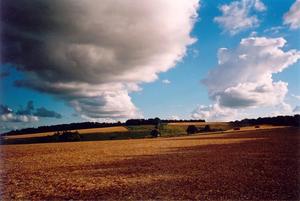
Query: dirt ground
x,y
256,165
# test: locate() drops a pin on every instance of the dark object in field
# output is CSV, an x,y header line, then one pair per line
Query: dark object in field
x,y
155,133
67,136
206,128
257,126
237,128
192,129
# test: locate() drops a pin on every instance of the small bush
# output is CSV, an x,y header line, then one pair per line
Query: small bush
x,y
192,129
237,128
155,133
257,126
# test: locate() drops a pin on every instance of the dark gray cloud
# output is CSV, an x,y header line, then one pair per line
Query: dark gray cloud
x,y
43,112
235,100
100,50
4,74
4,109
27,110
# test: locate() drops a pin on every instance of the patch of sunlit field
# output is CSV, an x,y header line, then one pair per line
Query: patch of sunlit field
x,y
214,125
255,165
199,123
225,126
248,128
114,129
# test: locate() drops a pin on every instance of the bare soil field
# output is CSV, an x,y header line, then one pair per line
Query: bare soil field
x,y
253,164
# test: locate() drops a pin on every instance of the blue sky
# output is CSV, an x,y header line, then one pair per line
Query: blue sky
x,y
186,95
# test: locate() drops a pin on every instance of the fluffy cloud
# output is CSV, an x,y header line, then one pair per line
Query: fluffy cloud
x,y
94,53
174,117
296,96
27,114
4,74
7,115
237,17
10,117
292,17
252,94
274,30
243,76
214,112
296,109
166,81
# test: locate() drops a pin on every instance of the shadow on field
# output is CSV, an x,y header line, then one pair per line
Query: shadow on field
x,y
265,168
83,137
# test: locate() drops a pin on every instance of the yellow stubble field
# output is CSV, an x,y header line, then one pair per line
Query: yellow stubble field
x,y
115,129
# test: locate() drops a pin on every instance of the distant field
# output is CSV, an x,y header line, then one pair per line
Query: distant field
x,y
248,128
114,129
219,125
249,165
199,123
129,132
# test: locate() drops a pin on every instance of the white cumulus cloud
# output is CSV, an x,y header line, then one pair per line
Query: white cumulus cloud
x,y
243,77
166,81
296,96
214,112
297,109
292,17
93,54
237,16
7,115
10,117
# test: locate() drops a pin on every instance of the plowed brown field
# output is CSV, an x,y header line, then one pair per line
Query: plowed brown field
x,y
258,164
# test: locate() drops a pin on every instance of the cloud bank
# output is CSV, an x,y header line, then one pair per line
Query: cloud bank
x,y
238,15
43,112
7,115
93,54
213,112
243,77
292,17
26,115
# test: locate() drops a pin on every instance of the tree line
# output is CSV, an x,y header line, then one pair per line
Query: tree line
x,y
155,121
276,121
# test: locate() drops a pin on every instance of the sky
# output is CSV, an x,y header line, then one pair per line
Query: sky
x,y
68,61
